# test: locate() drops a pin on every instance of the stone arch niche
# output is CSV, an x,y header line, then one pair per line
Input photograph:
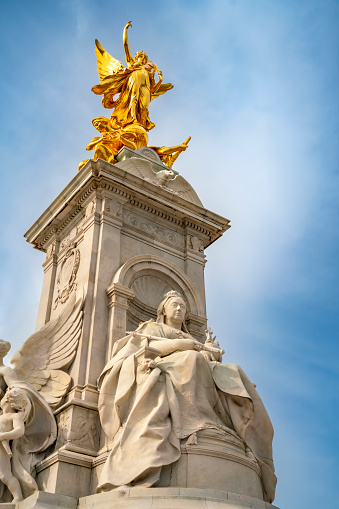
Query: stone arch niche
x,y
138,287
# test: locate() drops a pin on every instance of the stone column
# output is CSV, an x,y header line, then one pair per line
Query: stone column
x,y
118,306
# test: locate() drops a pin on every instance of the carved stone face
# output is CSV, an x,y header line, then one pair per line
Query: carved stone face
x,y
175,310
16,398
5,404
4,347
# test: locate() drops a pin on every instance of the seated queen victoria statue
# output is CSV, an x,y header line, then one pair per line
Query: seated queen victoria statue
x,y
161,387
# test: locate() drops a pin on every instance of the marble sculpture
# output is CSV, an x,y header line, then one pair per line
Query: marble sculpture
x,y
31,389
162,389
161,386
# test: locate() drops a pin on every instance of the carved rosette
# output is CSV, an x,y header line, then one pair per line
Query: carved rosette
x,y
67,275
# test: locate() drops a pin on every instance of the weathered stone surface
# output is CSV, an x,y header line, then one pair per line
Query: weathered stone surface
x,y
124,236
41,500
170,498
105,217
192,420
140,498
111,234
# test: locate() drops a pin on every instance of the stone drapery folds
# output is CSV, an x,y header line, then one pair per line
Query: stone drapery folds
x,y
147,412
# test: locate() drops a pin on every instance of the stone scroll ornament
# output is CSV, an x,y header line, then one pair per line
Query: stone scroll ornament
x,y
30,390
66,283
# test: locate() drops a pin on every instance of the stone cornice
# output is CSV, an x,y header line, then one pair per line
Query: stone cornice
x,y
101,175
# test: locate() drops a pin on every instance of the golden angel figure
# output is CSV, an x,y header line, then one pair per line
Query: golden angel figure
x,y
128,91
136,85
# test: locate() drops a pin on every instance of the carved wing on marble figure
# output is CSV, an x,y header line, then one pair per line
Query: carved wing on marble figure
x,y
164,178
42,358
181,187
139,167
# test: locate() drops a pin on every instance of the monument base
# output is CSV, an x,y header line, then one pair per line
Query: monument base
x,y
215,460
144,498
170,498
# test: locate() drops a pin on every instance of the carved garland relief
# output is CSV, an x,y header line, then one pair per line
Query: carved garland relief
x,y
67,274
153,229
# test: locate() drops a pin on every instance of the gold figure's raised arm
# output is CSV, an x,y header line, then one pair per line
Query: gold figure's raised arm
x,y
129,58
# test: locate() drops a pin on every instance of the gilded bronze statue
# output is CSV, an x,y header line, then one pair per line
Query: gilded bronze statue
x,y
135,87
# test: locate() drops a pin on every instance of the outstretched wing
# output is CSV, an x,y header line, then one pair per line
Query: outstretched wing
x,y
46,353
106,64
139,167
52,384
164,87
180,186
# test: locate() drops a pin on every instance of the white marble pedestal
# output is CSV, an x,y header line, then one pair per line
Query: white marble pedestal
x,y
170,498
144,498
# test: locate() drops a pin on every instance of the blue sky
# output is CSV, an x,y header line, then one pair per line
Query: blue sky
x,y
256,86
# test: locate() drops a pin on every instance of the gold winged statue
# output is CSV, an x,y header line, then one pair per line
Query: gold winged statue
x,y
128,91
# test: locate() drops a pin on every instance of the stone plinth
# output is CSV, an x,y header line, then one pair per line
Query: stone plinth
x,y
145,498
217,461
171,498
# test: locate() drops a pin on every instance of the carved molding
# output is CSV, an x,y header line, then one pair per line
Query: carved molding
x,y
58,228
112,207
118,298
163,269
119,295
153,229
143,205
101,176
